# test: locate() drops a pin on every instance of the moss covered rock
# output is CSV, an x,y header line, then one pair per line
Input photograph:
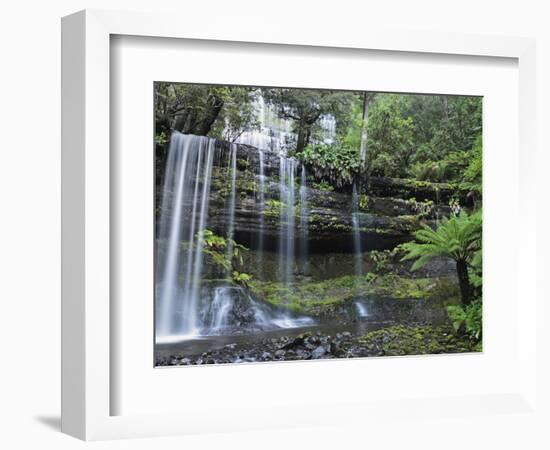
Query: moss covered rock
x,y
404,340
388,296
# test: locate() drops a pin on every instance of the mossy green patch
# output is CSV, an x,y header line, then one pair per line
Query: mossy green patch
x,y
404,340
272,208
322,186
325,297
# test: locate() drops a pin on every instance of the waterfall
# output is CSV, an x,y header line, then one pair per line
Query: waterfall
x,y
184,208
287,172
231,309
277,134
261,197
304,216
273,134
356,232
187,306
361,310
328,125
220,307
232,175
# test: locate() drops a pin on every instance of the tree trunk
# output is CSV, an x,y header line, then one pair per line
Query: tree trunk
x,y
181,122
210,117
364,127
464,282
303,131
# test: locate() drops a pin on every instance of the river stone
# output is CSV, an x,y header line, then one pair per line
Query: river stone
x,y
335,348
266,356
319,352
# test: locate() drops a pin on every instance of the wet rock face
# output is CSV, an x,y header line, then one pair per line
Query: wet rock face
x,y
228,309
391,209
321,266
406,310
387,215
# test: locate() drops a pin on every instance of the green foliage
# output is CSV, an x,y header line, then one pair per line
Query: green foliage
x,y
242,278
383,259
322,186
390,145
471,180
223,254
421,209
405,340
467,319
161,138
426,137
475,271
321,298
457,237
237,115
370,277
204,109
450,167
364,202
306,107
272,208
337,163
443,124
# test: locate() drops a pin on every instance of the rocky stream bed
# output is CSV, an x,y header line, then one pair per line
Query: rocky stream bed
x,y
399,340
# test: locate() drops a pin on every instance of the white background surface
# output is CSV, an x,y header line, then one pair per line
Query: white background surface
x,y
29,229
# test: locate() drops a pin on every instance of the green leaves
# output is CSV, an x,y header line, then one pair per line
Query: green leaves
x,y
472,179
390,143
336,162
457,237
223,253
242,278
211,240
468,319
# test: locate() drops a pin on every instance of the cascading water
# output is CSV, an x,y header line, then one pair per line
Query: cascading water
x,y
287,172
328,125
232,175
261,208
231,309
184,209
219,307
185,306
273,134
361,309
276,134
304,216
358,257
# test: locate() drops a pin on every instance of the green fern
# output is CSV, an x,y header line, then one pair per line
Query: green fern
x,y
457,237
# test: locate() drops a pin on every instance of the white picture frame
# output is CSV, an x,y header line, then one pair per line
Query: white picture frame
x,y
88,386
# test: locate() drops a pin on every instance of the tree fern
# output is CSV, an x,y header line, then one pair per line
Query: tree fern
x,y
457,237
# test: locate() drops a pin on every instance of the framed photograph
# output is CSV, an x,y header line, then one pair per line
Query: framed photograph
x,y
239,238
298,224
